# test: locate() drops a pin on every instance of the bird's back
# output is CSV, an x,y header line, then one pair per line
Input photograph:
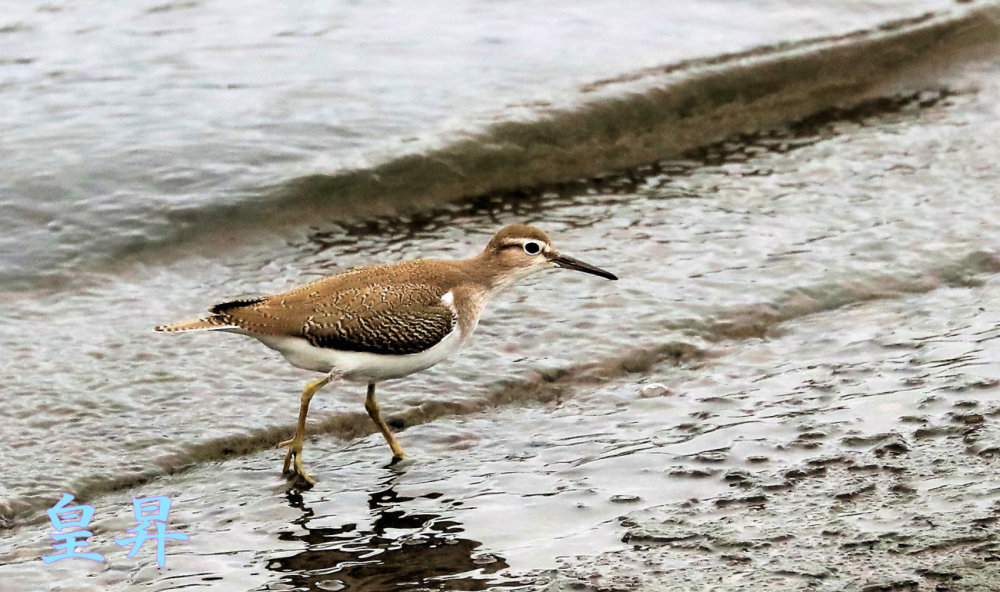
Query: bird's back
x,y
385,309
393,309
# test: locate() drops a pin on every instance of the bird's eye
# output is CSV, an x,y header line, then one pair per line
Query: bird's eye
x,y
532,248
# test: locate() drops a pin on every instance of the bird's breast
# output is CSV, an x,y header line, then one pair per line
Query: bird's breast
x,y
468,305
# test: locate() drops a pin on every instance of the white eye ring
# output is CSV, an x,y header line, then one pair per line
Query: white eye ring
x,y
532,247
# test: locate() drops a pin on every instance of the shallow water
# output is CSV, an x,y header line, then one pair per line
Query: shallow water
x,y
126,123
793,296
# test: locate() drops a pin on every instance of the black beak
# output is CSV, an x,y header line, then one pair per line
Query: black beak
x,y
570,263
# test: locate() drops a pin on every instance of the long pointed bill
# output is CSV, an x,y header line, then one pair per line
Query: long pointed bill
x,y
567,262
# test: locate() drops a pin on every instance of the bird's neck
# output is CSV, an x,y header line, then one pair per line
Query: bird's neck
x,y
487,274
481,280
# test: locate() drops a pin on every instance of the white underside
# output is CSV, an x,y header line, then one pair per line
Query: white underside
x,y
359,366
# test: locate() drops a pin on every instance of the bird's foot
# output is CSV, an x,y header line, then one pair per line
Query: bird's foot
x,y
294,447
293,461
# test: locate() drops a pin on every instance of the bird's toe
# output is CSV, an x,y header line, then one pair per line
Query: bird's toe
x,y
301,472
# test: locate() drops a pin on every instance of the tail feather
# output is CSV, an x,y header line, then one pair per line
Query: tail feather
x,y
237,303
210,323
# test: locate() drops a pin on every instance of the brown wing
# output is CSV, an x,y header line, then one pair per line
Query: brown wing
x,y
381,310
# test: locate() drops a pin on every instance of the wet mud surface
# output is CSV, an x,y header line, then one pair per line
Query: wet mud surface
x,y
869,463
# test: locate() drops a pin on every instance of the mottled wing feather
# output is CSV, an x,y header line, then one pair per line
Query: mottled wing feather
x,y
407,331
364,310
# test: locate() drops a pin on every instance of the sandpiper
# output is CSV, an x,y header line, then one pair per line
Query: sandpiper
x,y
383,321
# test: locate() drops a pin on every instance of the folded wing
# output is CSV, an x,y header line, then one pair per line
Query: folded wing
x,y
349,313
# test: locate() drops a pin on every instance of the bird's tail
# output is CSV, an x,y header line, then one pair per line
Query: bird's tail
x,y
210,323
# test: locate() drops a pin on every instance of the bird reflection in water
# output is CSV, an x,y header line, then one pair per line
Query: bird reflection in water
x,y
399,551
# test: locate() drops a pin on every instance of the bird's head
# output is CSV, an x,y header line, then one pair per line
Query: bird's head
x,y
519,250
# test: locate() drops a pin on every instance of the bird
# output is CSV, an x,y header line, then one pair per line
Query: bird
x,y
381,322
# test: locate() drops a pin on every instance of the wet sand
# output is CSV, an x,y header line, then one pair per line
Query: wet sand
x,y
863,459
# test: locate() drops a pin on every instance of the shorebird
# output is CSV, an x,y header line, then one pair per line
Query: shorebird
x,y
383,321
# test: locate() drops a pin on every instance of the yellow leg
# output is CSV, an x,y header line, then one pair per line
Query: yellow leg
x,y
295,444
371,406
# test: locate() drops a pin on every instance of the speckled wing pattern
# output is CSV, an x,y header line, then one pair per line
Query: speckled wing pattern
x,y
380,310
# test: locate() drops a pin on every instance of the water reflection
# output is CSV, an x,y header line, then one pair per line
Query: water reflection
x,y
401,549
